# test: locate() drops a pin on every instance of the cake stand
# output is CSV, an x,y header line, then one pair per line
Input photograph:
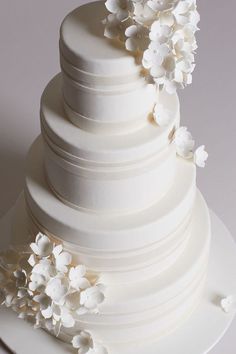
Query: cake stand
x,y
198,335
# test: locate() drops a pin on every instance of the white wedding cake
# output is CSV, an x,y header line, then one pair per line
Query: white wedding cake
x,y
118,235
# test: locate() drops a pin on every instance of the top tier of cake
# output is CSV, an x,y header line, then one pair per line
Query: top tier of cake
x,y
83,45
103,86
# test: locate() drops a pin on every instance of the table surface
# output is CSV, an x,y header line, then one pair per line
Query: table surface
x,y
29,58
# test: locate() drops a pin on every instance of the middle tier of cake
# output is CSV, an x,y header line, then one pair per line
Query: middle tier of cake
x,y
107,173
123,247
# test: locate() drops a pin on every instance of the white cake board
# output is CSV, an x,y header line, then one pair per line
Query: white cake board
x,y
197,336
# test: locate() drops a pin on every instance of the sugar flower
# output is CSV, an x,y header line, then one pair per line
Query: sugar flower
x,y
153,58
45,304
78,279
42,246
37,282
143,14
91,298
21,278
57,289
72,300
45,268
66,317
159,32
160,5
112,27
63,259
184,142
200,156
83,342
121,8
137,37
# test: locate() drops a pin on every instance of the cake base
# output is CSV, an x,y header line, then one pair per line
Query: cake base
x,y
198,335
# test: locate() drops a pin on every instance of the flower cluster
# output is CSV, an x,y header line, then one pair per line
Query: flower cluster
x,y
162,31
184,143
43,286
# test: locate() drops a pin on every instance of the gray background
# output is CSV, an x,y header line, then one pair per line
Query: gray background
x,y
29,58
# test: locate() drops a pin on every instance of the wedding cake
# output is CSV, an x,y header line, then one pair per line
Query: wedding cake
x,y
117,244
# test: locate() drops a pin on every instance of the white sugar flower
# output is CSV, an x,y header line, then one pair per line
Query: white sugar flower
x,y
112,27
200,156
45,304
137,38
37,282
21,293
57,289
184,43
160,5
50,327
121,8
91,298
167,74
181,71
45,268
9,299
170,85
63,259
23,263
228,304
153,58
184,142
32,260
159,32
181,12
66,318
194,18
21,278
78,279
42,246
162,116
185,12
143,14
72,301
83,342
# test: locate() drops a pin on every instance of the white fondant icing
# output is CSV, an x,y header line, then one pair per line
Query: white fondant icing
x,y
101,184
83,147
83,44
154,306
94,230
130,104
103,87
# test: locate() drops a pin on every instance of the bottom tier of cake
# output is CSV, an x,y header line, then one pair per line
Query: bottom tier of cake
x,y
151,308
222,261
